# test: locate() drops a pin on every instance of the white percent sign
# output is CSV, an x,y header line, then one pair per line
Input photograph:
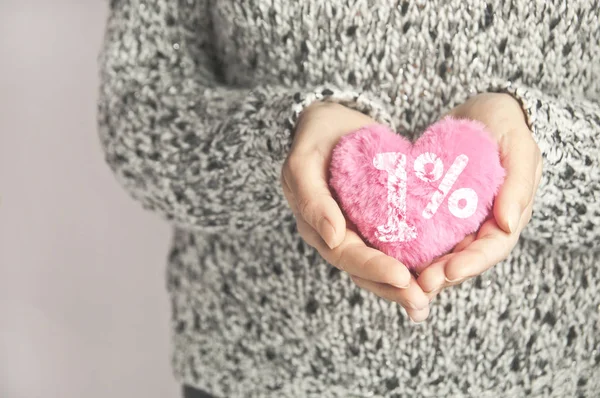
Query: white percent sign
x,y
394,163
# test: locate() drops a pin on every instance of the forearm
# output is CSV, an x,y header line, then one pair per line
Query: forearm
x,y
193,149
567,204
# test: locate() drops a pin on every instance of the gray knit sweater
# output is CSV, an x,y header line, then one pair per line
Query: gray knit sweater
x,y
197,105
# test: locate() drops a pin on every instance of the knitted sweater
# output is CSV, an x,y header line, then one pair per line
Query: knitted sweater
x,y
197,107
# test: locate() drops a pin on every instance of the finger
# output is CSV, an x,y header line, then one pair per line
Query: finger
x,y
464,243
380,274
433,295
289,196
418,316
306,177
538,172
356,258
433,280
495,246
520,158
526,217
309,235
412,299
528,212
433,277
373,265
491,246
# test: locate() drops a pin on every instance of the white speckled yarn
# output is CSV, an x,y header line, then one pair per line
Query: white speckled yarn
x,y
197,106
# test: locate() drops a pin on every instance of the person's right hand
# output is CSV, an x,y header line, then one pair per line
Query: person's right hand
x,y
320,220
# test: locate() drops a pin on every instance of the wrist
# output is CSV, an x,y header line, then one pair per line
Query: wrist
x,y
513,103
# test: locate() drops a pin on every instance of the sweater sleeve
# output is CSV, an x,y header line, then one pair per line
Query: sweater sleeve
x,y
567,130
201,153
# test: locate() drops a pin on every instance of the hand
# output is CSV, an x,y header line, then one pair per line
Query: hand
x,y
319,219
522,160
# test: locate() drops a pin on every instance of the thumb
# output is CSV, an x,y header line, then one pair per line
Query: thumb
x,y
520,159
306,177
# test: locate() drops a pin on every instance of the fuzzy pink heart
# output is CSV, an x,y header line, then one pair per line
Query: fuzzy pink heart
x,y
416,202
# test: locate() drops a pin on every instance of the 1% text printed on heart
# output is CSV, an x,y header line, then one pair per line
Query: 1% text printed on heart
x,y
428,167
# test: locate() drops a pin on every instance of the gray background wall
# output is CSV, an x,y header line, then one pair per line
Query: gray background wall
x,y
83,309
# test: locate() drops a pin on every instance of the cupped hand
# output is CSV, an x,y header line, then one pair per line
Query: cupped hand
x,y
320,220
522,160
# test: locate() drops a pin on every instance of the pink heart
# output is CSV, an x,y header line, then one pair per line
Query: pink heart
x,y
416,202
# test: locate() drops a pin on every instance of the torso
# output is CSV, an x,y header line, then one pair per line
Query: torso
x,y
424,55
265,308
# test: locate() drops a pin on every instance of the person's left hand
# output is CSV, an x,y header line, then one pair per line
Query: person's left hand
x,y
497,236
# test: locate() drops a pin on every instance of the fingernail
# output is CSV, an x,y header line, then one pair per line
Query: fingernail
x,y
400,286
431,290
419,317
434,295
514,216
415,307
455,280
327,232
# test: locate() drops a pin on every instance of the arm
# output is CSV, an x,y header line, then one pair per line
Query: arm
x,y
185,145
567,205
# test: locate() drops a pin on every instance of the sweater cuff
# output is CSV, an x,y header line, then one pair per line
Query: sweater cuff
x,y
356,100
523,95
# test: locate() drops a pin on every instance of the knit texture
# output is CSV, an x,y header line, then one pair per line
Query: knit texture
x,y
197,106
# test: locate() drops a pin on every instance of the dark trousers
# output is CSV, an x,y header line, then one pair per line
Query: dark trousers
x,y
190,392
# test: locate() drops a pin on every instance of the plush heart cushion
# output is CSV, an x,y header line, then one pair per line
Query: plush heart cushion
x,y
415,202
